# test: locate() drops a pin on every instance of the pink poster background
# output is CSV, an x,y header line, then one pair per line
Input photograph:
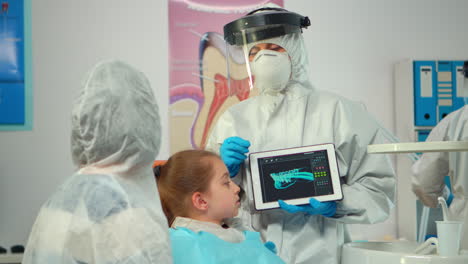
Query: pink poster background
x,y
188,22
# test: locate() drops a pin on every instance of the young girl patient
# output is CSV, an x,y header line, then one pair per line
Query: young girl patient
x,y
197,195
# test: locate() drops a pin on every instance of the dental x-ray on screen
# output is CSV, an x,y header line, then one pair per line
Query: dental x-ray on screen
x,y
295,175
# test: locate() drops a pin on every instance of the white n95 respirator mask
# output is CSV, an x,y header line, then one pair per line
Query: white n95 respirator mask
x,y
271,70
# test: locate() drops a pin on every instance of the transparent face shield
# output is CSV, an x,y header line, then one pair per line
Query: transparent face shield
x,y
257,62
257,66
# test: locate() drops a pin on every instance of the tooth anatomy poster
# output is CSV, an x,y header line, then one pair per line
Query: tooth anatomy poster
x,y
200,89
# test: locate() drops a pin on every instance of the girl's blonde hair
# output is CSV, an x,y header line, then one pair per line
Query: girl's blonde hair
x,y
184,173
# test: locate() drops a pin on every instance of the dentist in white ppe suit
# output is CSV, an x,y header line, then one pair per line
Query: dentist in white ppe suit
x,y
288,113
430,170
109,211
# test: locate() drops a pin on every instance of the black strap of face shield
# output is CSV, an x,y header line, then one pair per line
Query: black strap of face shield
x,y
266,9
256,27
269,33
305,22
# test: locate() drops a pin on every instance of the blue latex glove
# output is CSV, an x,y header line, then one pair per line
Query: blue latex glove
x,y
233,152
448,195
271,246
327,209
450,199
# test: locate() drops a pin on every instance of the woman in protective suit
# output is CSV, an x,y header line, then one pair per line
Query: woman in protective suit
x,y
109,211
289,112
430,170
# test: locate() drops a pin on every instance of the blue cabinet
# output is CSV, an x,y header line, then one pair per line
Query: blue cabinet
x,y
437,90
12,77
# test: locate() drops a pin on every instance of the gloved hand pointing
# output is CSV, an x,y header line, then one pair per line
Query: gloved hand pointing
x,y
327,209
233,152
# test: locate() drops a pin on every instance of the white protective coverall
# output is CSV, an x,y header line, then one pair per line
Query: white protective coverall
x,y
297,116
109,211
430,170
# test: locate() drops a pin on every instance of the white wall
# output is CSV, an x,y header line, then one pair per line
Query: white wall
x,y
352,48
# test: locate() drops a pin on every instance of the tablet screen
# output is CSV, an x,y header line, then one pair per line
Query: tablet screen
x,y
295,176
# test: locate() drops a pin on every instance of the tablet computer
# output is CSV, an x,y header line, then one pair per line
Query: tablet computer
x,y
295,175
